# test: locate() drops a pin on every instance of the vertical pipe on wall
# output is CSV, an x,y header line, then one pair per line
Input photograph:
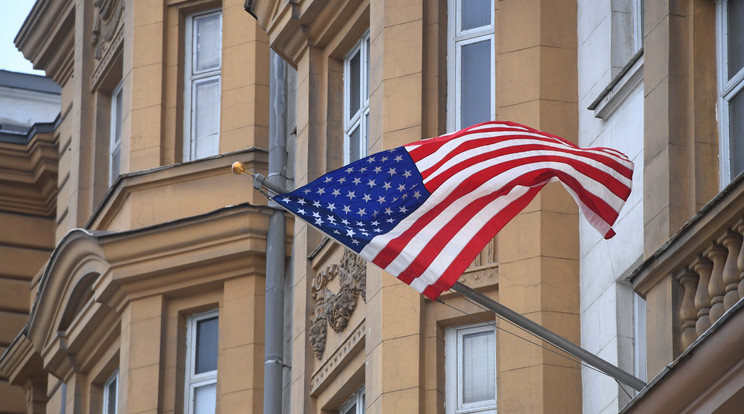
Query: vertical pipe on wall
x,y
275,242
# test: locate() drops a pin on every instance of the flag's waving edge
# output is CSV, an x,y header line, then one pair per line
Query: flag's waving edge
x,y
424,211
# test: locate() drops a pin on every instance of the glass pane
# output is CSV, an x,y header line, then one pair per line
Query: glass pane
x,y
735,36
475,83
354,84
475,13
111,397
354,145
115,164
117,116
206,345
206,113
366,81
205,399
478,367
207,33
736,133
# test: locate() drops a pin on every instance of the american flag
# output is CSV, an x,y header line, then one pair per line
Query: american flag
x,y
425,210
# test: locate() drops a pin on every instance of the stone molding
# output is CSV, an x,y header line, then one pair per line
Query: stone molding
x,y
328,370
28,173
335,310
106,17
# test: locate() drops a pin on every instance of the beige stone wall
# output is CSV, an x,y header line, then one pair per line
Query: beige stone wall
x,y
537,274
195,253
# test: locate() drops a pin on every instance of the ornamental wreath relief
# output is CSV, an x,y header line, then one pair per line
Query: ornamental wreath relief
x,y
336,309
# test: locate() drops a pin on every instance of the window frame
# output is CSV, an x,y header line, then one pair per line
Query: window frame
x,y
359,118
727,90
453,362
191,79
106,396
358,399
192,381
457,38
114,140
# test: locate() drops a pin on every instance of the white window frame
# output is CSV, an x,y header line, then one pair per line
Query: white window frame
x,y
192,380
359,118
727,89
114,141
453,373
639,343
358,399
637,25
191,79
457,39
107,396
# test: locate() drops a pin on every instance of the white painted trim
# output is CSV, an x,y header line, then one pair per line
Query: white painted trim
x,y
613,98
358,399
359,118
114,141
727,89
107,396
191,79
191,380
456,39
453,375
639,337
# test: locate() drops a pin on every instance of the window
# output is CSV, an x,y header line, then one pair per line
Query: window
x,y
201,364
110,393
470,63
356,101
639,334
355,405
115,134
202,90
637,25
730,25
470,368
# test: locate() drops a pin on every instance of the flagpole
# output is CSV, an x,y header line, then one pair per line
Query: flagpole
x,y
549,336
501,310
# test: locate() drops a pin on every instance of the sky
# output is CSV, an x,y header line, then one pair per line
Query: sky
x,y
13,14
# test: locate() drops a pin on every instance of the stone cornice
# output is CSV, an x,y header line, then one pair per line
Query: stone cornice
x,y
92,275
28,173
128,186
292,25
20,362
721,212
47,38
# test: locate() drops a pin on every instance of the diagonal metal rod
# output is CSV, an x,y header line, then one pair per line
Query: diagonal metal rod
x,y
539,331
549,336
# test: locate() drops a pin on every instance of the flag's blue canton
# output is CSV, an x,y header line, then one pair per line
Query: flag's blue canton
x,y
361,200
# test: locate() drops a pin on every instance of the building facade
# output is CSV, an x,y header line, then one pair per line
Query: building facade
x,y
146,289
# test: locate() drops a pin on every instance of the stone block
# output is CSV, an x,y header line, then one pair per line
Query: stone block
x,y
519,25
242,369
141,389
148,44
148,12
401,311
403,401
402,50
518,79
656,54
558,79
11,324
401,106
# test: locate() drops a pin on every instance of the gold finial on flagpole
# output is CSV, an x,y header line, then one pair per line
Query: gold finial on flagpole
x,y
238,168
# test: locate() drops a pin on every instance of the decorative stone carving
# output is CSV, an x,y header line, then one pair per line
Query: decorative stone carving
x,y
335,310
106,16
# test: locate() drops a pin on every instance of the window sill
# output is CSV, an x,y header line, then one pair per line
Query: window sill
x,y
619,88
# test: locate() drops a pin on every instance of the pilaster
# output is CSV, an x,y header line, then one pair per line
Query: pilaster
x,y
538,250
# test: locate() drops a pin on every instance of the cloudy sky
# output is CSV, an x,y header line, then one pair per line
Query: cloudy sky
x,y
13,14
